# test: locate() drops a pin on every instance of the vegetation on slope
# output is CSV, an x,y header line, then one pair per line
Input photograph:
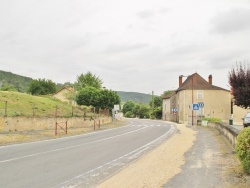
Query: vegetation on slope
x,y
134,96
21,104
17,82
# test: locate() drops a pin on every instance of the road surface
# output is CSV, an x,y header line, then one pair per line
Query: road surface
x,y
79,161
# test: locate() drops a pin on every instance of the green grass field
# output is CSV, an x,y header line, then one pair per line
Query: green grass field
x,y
21,104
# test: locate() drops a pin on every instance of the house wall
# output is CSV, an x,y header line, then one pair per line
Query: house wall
x,y
166,110
62,95
239,113
217,103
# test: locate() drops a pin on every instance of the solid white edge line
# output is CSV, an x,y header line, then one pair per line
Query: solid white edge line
x,y
51,151
141,148
66,137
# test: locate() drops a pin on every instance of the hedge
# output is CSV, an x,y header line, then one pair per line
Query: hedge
x,y
243,148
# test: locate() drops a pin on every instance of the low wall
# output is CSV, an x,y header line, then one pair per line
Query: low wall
x,y
43,123
228,131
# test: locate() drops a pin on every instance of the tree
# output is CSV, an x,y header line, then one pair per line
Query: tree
x,y
88,96
143,111
239,80
42,87
165,93
8,87
88,80
91,96
108,99
157,101
128,106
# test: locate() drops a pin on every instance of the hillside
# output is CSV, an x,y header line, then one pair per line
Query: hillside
x,y
22,104
20,83
134,96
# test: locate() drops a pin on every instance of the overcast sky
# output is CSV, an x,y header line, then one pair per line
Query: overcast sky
x,y
132,45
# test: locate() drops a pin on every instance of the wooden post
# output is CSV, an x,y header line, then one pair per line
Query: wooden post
x,y
66,127
6,108
56,129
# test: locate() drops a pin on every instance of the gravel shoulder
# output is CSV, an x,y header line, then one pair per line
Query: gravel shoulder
x,y
194,157
158,166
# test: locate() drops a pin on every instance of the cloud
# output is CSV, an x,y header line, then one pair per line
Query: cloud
x,y
233,20
145,14
125,48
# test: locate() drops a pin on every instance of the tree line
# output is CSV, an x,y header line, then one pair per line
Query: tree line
x,y
153,110
89,91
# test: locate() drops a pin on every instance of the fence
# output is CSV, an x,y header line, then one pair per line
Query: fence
x,y
50,111
13,124
61,126
3,108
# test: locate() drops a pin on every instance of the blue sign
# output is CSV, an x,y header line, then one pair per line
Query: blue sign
x,y
174,109
201,104
195,106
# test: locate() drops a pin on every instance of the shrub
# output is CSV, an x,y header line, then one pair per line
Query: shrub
x,y
243,148
212,119
129,114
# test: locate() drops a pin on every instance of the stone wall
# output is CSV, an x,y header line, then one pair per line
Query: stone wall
x,y
30,123
228,131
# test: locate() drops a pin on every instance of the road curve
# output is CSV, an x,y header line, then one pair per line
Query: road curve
x,y
79,161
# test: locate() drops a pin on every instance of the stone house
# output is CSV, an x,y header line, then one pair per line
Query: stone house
x,y
195,91
66,94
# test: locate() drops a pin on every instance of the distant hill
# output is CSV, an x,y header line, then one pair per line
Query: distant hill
x,y
20,83
134,96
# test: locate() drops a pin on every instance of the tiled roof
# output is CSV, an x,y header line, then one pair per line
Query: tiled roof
x,y
169,95
65,87
196,82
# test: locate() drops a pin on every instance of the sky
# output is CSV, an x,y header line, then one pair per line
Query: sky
x,y
131,45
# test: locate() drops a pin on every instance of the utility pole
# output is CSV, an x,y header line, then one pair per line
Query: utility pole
x,y
192,100
153,103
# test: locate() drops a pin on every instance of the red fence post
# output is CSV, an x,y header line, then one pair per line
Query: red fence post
x,y
56,129
66,127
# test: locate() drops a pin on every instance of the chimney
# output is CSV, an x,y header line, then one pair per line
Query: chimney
x,y
210,80
180,80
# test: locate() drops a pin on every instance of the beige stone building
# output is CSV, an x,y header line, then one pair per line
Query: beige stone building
x,y
195,91
66,94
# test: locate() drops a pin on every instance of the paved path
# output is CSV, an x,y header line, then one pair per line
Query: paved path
x,y
208,163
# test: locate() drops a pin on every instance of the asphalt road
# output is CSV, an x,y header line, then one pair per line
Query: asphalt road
x,y
79,161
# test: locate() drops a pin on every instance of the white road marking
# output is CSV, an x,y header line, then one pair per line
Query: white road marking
x,y
67,137
132,153
51,151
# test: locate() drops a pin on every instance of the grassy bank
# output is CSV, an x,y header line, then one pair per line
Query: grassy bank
x,y
22,104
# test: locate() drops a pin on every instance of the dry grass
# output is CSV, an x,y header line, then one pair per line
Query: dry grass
x,y
15,137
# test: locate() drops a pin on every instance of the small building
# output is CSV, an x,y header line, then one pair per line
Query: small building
x,y
196,98
66,94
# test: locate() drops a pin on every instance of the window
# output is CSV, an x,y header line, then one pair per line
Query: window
x,y
199,94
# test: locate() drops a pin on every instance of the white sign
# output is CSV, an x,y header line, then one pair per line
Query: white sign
x,y
116,107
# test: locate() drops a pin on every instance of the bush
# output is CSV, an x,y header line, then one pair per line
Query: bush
x,y
212,119
129,114
243,148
